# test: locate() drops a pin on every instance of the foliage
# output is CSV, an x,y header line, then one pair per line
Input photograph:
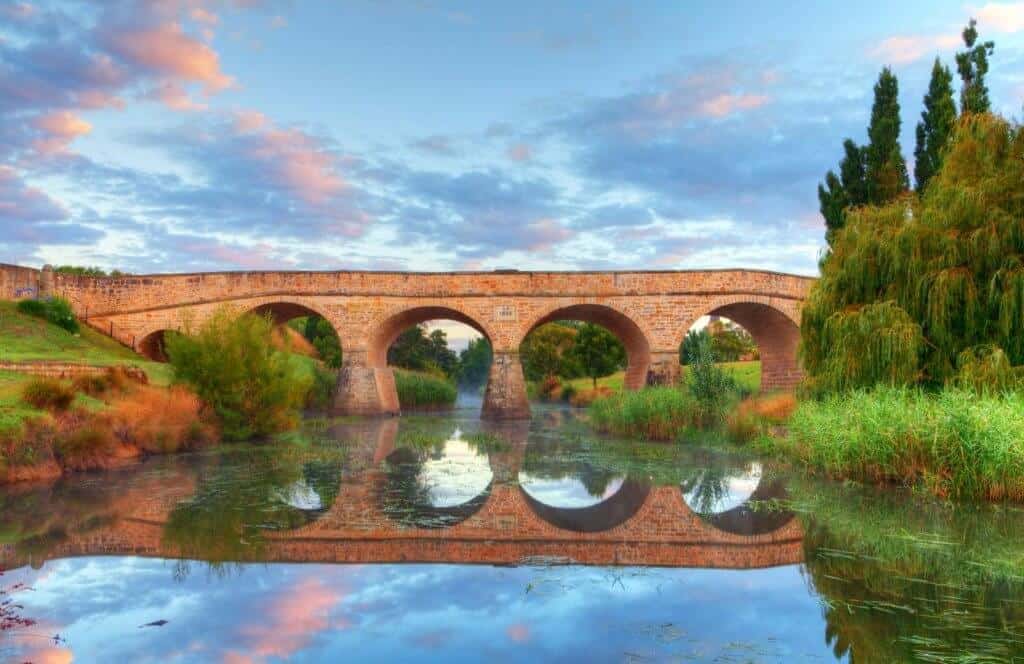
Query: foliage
x,y
160,421
87,271
419,390
597,352
321,334
954,443
910,286
936,126
418,351
729,342
231,364
885,170
475,363
545,352
972,65
653,413
48,394
711,387
875,173
755,416
55,310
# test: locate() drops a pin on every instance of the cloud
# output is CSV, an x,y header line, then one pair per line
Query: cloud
x,y
292,620
519,152
437,145
904,49
1000,16
21,205
278,22
166,50
59,129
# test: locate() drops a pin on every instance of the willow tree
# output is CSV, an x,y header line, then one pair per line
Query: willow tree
x,y
928,290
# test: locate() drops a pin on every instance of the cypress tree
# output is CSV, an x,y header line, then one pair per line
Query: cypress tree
x,y
972,65
936,125
885,169
848,189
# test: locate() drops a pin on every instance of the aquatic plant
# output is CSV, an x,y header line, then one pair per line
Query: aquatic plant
x,y
653,413
955,443
420,390
910,286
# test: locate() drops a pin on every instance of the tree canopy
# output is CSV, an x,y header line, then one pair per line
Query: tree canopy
x,y
926,290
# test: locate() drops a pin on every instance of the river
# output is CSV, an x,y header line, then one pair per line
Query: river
x,y
444,538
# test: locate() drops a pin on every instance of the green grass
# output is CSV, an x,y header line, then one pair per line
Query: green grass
x,y
419,390
653,413
13,411
953,443
746,374
24,338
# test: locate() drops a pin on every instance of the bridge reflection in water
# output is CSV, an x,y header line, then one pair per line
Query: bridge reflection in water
x,y
409,491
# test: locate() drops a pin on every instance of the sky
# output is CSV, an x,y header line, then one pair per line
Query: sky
x,y
192,135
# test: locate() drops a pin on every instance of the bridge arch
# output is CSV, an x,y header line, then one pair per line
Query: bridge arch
x,y
614,511
739,516
151,345
388,330
625,329
775,328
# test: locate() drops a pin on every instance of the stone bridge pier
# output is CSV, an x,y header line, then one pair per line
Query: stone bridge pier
x,y
649,311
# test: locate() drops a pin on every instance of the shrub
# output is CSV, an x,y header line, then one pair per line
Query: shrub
x,y
549,388
321,393
756,415
56,310
232,365
92,384
587,397
48,394
418,390
160,420
653,413
85,442
568,391
712,389
955,443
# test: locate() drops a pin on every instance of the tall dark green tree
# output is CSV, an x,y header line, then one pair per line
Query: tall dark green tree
x,y
846,190
936,125
885,168
475,363
972,65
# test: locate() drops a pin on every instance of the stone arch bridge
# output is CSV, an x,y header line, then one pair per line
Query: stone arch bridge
x,y
649,311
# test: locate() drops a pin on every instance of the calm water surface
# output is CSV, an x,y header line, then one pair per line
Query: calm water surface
x,y
441,538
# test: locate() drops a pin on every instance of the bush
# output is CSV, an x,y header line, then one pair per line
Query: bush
x,y
955,443
160,420
232,365
755,416
86,442
48,394
712,389
56,310
321,393
586,397
653,413
418,390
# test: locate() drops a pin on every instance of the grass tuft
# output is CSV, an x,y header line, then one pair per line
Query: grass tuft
x,y
420,390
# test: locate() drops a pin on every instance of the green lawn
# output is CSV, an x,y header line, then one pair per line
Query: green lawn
x,y
26,338
747,374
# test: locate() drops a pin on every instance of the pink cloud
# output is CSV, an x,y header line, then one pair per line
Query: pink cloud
x,y
727,104
204,16
278,22
904,49
19,10
167,50
518,632
1000,16
173,95
520,152
59,129
292,621
545,233
294,159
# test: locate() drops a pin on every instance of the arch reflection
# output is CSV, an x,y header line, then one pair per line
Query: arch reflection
x,y
435,484
728,499
613,511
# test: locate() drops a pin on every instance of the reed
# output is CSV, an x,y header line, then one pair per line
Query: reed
x,y
420,390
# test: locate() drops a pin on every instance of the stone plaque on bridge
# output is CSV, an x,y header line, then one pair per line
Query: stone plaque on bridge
x,y
505,312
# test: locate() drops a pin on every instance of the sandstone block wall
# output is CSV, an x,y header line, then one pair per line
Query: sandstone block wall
x,y
18,283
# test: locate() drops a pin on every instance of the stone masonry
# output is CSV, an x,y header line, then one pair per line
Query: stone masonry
x,y
649,311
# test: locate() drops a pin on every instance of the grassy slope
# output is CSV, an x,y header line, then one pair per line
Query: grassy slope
x,y
747,374
26,338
